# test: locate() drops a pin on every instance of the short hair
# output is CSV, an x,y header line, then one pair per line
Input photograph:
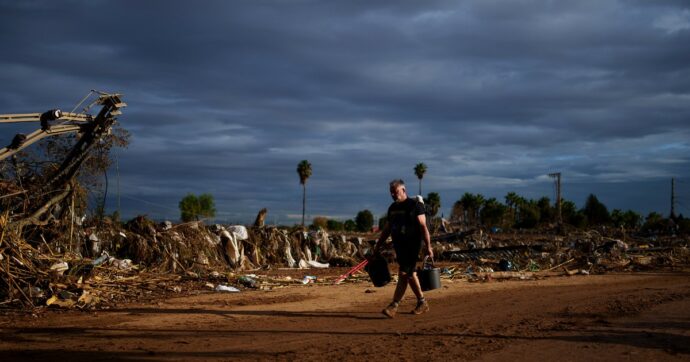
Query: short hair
x,y
397,182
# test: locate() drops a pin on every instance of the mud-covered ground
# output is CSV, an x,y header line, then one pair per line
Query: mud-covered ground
x,y
638,316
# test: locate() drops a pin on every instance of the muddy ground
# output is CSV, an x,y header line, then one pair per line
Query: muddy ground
x,y
634,316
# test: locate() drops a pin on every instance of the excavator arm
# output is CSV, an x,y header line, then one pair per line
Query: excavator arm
x,y
67,122
56,186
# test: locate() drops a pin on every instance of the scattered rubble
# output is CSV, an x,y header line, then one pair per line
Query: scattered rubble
x,y
504,256
142,259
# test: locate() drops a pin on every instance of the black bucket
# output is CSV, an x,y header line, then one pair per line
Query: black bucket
x,y
377,267
429,276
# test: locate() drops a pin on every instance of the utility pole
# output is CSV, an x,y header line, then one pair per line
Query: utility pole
x,y
557,176
117,170
673,198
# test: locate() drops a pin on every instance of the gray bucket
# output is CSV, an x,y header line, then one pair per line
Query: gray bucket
x,y
429,276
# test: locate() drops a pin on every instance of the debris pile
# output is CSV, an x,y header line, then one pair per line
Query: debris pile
x,y
578,252
115,262
143,259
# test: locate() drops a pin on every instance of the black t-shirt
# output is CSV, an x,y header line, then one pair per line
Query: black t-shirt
x,y
402,218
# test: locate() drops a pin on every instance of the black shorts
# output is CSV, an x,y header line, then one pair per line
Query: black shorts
x,y
407,254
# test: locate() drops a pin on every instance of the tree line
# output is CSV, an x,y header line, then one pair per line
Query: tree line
x,y
521,213
516,212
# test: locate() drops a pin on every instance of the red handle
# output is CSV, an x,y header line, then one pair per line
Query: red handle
x,y
352,271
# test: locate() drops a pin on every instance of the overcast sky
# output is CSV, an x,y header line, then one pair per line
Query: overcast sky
x,y
226,97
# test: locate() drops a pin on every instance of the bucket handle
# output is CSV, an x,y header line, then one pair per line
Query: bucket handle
x,y
425,263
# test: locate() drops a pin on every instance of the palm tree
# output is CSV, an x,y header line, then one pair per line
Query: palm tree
x,y
433,201
492,212
472,205
304,171
478,202
467,206
514,202
458,212
511,199
420,170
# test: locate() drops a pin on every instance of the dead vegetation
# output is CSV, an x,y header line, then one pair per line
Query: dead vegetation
x,y
143,259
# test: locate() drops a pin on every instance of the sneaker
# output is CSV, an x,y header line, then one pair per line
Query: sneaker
x,y
422,307
390,310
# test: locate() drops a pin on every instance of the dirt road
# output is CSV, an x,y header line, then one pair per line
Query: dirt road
x,y
642,316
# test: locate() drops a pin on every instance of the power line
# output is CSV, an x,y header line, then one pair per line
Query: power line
x,y
150,203
683,205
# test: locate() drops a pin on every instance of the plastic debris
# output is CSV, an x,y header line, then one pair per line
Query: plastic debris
x,y
316,264
101,259
308,279
240,232
122,264
60,267
226,288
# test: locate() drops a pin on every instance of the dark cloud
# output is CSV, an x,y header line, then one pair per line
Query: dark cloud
x,y
227,97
